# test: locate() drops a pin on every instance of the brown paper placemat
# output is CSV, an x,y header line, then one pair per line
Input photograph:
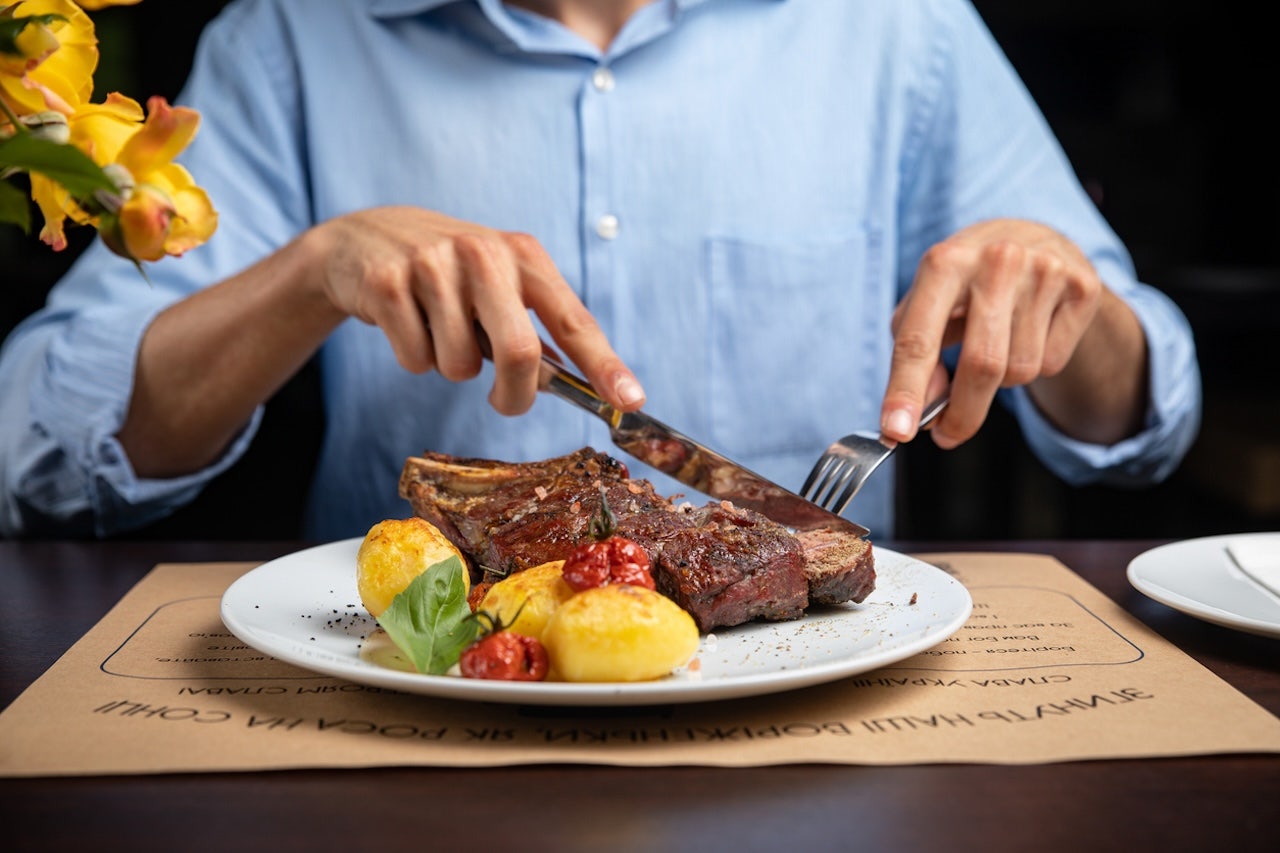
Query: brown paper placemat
x,y
1046,669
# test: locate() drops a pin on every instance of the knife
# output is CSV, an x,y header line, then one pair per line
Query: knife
x,y
679,456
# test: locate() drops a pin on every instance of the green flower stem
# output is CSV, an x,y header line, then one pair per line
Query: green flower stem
x,y
19,127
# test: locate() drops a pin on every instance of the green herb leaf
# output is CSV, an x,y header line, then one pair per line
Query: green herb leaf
x,y
61,163
430,620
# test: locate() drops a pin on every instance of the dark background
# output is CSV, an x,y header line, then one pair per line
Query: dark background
x,y
1166,115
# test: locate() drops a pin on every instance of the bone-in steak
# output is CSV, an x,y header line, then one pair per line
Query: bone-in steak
x,y
725,565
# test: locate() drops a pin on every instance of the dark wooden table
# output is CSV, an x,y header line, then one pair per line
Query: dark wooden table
x,y
53,592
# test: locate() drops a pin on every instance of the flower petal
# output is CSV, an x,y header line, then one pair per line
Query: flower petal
x,y
101,130
165,133
50,198
144,223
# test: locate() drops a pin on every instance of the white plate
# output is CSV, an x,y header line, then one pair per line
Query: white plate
x,y
304,609
1198,577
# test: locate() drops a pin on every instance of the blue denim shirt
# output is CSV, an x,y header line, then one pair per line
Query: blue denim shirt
x,y
739,190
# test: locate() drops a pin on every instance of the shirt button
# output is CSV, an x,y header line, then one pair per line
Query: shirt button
x,y
602,79
607,226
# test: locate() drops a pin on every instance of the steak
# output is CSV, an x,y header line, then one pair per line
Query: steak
x,y
723,564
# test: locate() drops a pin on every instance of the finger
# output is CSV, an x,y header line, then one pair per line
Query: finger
x,y
984,351
1068,324
574,330
921,320
1029,329
939,384
492,291
516,354
439,279
1050,298
390,304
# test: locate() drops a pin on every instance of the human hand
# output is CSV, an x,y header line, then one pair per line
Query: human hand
x,y
427,280
1016,295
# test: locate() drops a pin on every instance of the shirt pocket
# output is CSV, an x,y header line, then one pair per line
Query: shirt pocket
x,y
799,340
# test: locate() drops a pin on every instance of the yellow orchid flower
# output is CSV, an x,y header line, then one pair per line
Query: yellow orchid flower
x,y
55,63
148,156
159,209
100,131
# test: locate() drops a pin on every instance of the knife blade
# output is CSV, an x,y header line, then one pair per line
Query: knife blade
x,y
686,460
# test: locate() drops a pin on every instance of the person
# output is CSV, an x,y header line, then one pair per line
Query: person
x,y
787,219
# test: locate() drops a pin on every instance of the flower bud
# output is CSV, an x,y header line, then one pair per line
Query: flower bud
x,y
121,177
50,125
139,230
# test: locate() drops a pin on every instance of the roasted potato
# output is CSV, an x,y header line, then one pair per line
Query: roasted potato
x,y
618,632
528,597
393,553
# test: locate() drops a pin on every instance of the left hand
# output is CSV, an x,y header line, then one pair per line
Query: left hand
x,y
1016,295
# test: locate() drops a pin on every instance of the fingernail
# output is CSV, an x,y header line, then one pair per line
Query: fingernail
x,y
628,391
897,423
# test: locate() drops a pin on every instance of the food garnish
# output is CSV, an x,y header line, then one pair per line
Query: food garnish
x,y
608,558
430,620
504,655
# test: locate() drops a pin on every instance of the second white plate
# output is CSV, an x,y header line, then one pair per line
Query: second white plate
x,y
1199,578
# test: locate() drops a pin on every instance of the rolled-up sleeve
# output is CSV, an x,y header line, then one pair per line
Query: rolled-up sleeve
x,y
67,372
986,152
1173,409
67,382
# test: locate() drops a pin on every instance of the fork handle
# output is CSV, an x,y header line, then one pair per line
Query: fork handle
x,y
934,409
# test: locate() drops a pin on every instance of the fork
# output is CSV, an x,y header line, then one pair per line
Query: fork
x,y
842,469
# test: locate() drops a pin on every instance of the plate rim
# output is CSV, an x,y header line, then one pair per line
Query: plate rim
x,y
1139,577
662,691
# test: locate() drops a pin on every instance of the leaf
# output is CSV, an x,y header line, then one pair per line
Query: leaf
x,y
11,28
15,207
61,163
430,620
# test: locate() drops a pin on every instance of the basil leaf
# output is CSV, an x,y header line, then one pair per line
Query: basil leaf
x,y
430,620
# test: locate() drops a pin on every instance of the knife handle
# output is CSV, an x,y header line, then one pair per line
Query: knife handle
x,y
559,382
556,380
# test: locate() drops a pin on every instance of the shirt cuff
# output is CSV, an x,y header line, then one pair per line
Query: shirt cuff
x,y
1170,426
80,401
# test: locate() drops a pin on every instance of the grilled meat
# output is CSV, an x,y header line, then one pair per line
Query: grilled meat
x,y
725,565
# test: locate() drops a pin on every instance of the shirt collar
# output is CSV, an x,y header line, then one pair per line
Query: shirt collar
x,y
509,34
398,8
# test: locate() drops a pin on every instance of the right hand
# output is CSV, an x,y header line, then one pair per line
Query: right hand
x,y
426,279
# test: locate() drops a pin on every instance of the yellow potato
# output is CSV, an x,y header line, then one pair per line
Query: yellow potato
x,y
534,594
619,632
393,553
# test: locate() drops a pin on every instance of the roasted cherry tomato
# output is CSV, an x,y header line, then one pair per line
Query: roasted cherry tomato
x,y
607,558
505,656
613,560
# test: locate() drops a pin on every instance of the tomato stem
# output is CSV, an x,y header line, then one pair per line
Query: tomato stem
x,y
603,524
